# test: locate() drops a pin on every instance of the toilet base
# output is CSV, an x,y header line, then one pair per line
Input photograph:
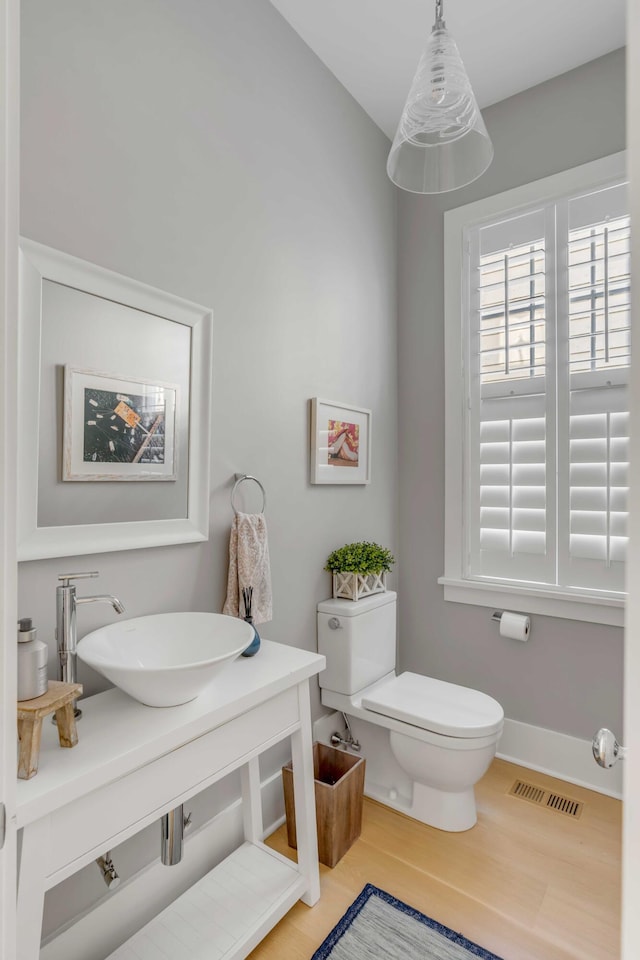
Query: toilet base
x,y
454,812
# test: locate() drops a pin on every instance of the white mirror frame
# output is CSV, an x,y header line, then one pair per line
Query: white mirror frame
x,y
38,263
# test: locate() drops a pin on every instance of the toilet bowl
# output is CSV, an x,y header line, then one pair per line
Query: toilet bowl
x,y
441,736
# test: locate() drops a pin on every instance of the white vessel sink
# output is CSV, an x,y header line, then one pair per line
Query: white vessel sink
x,y
167,658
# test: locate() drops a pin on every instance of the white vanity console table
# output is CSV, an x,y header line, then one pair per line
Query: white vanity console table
x,y
134,763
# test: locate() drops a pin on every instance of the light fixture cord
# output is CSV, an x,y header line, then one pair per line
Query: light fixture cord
x,y
439,14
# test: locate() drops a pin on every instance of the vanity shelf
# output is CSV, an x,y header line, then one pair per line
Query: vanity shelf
x,y
226,914
133,764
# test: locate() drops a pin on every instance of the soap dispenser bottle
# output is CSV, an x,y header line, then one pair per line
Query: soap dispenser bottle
x,y
32,662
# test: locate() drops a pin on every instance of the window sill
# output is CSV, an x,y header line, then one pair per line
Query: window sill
x,y
591,607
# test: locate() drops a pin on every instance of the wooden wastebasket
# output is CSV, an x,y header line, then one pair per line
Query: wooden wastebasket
x,y
339,787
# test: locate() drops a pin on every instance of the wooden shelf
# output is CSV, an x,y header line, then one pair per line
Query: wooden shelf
x,y
225,914
59,698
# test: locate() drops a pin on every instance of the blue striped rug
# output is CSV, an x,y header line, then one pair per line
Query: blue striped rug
x,y
378,927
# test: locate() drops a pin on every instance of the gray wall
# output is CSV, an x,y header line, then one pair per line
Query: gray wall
x,y
201,148
568,677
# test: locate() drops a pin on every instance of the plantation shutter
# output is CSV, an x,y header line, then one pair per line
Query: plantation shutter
x,y
511,438
548,358
597,304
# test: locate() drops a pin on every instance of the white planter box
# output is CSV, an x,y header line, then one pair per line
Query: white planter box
x,y
355,586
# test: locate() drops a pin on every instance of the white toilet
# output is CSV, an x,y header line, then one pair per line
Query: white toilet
x,y
441,737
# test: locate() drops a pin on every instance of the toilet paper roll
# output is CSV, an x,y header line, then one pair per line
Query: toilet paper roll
x,y
516,626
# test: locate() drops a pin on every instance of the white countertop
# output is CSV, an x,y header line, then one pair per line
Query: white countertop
x,y
116,734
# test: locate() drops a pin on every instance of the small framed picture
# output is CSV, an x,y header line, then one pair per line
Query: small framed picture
x,y
118,429
340,443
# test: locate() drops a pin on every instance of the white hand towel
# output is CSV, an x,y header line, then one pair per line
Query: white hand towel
x,y
249,567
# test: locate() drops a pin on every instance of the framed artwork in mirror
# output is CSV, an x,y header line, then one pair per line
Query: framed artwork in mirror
x,y
114,383
117,429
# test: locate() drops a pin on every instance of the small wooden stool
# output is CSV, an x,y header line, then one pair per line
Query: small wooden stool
x,y
58,699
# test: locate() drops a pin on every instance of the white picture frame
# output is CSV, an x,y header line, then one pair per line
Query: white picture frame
x,y
340,443
39,263
117,429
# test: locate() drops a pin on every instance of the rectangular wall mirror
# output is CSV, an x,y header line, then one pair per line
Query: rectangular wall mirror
x,y
114,386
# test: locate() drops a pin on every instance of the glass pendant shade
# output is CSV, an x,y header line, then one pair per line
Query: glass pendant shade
x,y
441,142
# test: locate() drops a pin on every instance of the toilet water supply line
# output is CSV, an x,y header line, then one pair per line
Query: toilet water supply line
x,y
348,739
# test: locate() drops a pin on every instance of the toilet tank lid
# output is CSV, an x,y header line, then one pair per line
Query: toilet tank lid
x,y
352,608
436,705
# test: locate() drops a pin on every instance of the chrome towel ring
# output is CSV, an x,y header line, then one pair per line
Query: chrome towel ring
x,y
240,478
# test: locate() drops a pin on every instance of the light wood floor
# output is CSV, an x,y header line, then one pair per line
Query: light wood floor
x,y
526,883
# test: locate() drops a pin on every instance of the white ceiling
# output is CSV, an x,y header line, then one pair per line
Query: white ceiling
x,y
373,46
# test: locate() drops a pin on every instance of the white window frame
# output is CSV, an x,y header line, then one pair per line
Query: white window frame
x,y
572,604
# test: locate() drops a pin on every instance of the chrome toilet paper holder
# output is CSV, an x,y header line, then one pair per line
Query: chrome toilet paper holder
x,y
515,626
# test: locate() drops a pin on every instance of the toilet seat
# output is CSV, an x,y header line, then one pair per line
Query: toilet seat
x,y
435,705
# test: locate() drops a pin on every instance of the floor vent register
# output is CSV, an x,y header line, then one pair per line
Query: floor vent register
x,y
546,798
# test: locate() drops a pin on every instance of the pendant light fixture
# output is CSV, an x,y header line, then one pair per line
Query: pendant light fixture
x,y
441,142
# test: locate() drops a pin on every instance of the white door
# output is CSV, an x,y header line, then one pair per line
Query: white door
x,y
631,843
9,182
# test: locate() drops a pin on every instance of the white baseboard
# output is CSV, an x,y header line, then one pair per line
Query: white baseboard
x,y
97,932
557,754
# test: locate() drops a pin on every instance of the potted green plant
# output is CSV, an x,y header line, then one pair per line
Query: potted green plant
x,y
359,569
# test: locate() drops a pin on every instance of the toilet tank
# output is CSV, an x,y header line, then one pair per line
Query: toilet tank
x,y
358,638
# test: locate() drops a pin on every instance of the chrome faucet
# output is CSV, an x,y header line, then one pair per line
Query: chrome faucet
x,y
66,629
